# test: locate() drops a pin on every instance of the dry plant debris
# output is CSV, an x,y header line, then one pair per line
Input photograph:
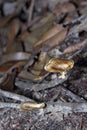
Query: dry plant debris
x,y
43,65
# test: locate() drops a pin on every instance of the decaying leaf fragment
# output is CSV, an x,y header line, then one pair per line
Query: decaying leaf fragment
x,y
8,34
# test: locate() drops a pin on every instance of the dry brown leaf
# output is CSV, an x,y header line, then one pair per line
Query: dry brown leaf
x,y
64,8
12,61
37,33
9,74
49,17
4,20
23,36
51,32
8,82
9,66
39,65
28,76
12,32
5,67
52,42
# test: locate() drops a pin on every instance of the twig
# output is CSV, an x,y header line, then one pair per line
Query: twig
x,y
9,105
78,28
66,107
14,96
74,97
39,86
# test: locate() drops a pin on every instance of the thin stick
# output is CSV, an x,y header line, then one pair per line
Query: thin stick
x,y
39,86
14,96
9,105
74,97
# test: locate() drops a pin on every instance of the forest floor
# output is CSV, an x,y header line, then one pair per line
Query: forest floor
x,y
39,42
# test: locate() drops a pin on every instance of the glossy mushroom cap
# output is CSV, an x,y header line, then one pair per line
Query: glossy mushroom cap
x,y
58,65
